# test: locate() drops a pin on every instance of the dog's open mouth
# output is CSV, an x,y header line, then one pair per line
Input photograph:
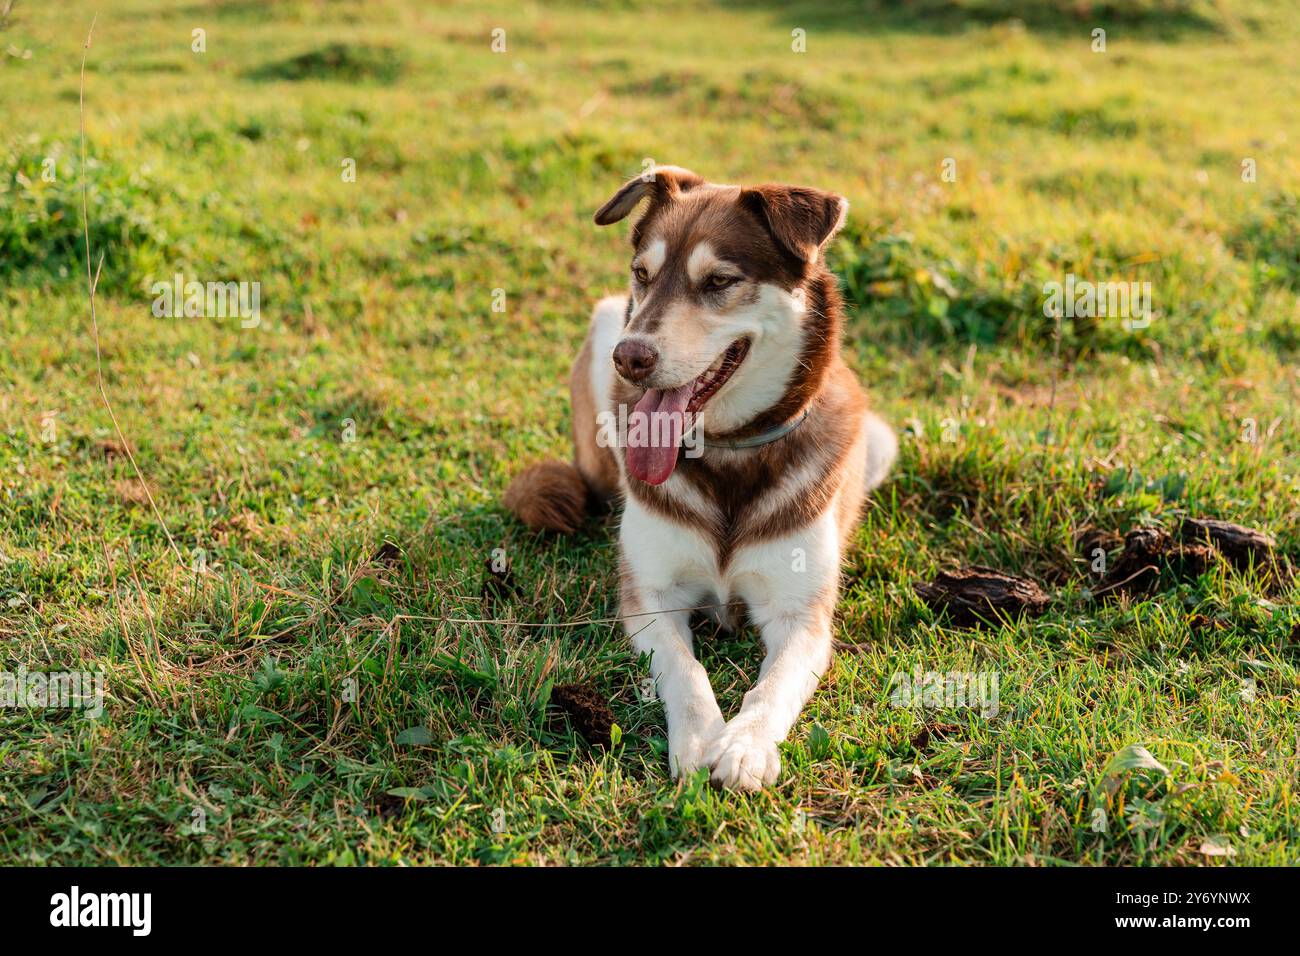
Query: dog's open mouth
x,y
715,376
655,434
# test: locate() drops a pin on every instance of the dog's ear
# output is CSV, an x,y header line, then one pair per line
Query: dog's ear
x,y
802,220
660,183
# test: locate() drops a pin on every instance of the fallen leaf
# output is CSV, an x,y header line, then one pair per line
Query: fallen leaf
x,y
1217,846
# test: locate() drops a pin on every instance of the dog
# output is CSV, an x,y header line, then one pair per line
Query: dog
x,y
749,478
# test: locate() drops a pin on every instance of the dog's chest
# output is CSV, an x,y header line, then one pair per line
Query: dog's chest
x,y
742,507
677,565
728,547
670,554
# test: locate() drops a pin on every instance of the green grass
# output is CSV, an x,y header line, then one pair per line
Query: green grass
x,y
476,171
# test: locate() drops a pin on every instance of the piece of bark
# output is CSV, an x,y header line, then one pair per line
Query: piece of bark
x,y
975,594
923,736
1240,545
1192,560
1146,543
1137,569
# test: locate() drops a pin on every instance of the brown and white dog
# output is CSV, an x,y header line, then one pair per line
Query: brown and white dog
x,y
749,480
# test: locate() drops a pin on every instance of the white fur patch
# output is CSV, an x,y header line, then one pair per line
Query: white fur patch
x,y
606,324
652,257
882,449
774,326
702,261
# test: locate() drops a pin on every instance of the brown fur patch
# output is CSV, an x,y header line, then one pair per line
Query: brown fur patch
x,y
549,496
665,185
800,219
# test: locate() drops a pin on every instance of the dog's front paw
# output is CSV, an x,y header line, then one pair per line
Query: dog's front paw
x,y
686,748
742,758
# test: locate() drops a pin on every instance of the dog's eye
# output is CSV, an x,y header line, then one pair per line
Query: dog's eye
x,y
640,274
719,281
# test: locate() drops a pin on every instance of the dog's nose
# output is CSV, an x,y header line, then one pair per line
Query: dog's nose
x,y
634,360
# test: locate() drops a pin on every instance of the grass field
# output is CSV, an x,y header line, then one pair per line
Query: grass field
x,y
311,695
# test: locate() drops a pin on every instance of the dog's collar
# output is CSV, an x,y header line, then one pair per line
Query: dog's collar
x,y
762,438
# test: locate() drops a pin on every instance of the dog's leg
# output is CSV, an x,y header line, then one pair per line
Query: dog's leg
x,y
690,708
663,573
744,756
793,610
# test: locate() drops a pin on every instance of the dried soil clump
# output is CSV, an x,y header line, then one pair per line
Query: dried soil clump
x,y
588,711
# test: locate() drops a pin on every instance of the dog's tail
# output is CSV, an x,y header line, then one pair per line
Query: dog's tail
x,y
548,496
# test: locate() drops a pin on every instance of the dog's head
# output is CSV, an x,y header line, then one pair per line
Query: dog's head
x,y
719,309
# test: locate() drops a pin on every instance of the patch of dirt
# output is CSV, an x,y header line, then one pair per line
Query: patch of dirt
x,y
1199,624
975,594
922,739
588,711
661,84
387,554
243,525
340,62
1192,560
1091,539
386,806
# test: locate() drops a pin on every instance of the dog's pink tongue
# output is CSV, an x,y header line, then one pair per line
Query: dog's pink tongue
x,y
652,448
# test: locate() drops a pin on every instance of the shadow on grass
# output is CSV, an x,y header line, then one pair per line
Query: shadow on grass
x,y
341,62
1152,19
